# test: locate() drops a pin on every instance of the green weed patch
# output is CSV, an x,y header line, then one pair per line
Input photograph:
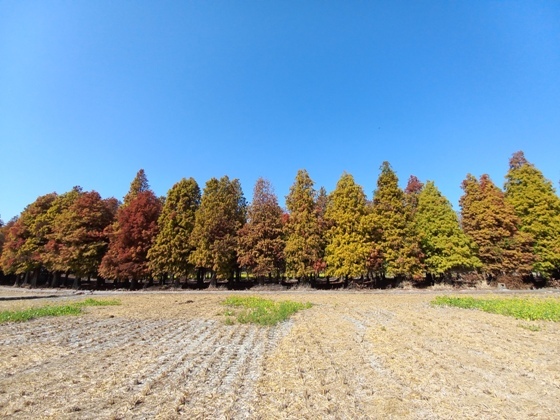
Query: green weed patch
x,y
52,310
545,309
261,311
99,302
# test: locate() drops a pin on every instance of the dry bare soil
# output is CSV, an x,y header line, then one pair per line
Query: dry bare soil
x,y
352,355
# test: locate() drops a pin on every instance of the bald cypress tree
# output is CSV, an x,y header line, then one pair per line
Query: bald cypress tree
x,y
132,234
444,245
492,224
11,261
81,234
411,193
321,203
221,214
173,246
261,243
303,233
126,258
138,185
25,241
394,248
347,249
2,238
59,214
538,208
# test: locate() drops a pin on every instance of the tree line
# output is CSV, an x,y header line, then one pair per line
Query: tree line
x,y
214,235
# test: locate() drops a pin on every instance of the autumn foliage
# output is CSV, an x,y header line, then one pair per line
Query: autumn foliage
x,y
322,238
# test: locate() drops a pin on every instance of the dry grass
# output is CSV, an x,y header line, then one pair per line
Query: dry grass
x,y
352,355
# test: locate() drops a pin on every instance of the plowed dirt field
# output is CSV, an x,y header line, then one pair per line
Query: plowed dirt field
x,y
353,355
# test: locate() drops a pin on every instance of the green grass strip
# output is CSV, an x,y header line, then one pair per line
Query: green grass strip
x,y
256,310
52,310
545,309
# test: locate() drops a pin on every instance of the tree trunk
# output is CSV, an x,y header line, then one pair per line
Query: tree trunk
x,y
66,282
19,279
35,277
77,282
134,284
26,278
56,279
200,277
100,282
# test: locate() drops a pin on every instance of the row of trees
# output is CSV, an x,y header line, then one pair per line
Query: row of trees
x,y
403,234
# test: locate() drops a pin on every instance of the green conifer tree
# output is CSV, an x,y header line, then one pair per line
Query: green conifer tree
x,y
138,184
221,214
172,248
445,246
395,248
538,207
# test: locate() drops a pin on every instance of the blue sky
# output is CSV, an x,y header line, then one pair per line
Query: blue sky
x,y
92,91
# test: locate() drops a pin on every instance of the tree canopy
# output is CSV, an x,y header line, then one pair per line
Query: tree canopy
x,y
126,258
302,230
347,248
538,208
221,214
394,246
173,246
138,185
444,245
400,234
492,224
261,243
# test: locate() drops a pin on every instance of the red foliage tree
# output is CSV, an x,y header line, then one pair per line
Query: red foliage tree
x,y
137,227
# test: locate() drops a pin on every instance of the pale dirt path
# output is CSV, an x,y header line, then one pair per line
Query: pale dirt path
x,y
353,355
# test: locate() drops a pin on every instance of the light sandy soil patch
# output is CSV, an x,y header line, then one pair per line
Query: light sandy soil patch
x,y
353,355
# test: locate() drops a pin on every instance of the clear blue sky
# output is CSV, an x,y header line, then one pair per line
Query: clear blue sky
x,y
92,91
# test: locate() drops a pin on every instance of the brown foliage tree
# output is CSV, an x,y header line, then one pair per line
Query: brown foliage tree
x,y
84,237
492,224
261,245
24,247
